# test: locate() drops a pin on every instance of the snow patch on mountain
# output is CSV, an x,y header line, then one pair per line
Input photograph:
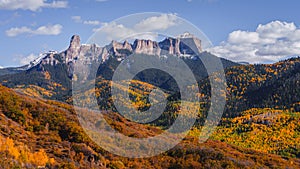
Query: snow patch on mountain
x,y
40,58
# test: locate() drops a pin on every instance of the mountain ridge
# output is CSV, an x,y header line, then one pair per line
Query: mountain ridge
x,y
250,88
53,71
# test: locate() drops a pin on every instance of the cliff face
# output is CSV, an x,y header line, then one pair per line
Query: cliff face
x,y
146,47
73,49
117,49
180,46
85,53
185,45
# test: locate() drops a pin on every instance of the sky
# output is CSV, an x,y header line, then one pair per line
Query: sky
x,y
253,31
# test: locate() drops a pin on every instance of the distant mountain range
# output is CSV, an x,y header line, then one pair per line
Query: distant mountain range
x,y
259,128
50,75
59,66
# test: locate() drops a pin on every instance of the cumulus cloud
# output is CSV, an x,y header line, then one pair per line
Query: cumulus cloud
x,y
115,31
78,19
91,22
42,30
154,23
276,29
239,37
33,5
270,42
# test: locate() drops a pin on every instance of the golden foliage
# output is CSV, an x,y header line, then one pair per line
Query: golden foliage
x,y
22,154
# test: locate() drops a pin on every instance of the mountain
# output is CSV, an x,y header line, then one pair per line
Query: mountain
x,y
11,70
50,75
264,86
249,86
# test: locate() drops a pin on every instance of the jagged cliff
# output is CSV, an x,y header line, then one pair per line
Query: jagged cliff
x,y
55,70
86,54
180,46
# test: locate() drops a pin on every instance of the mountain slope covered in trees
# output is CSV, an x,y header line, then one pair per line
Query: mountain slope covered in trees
x,y
37,132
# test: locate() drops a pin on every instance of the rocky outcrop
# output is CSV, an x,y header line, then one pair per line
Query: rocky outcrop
x,y
189,44
170,46
89,53
119,49
146,47
82,52
86,54
183,45
73,50
50,59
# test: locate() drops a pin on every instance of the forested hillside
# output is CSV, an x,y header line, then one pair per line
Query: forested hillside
x,y
37,132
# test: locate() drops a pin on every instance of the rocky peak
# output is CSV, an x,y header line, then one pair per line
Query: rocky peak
x,y
170,46
190,41
146,47
87,54
74,48
127,45
75,42
183,45
115,47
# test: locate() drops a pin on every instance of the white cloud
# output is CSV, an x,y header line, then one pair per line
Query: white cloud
x,y
78,19
275,29
91,22
42,30
56,4
270,42
238,37
101,0
16,31
33,5
48,30
115,31
154,23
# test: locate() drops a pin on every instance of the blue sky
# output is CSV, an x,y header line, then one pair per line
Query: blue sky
x,y
29,27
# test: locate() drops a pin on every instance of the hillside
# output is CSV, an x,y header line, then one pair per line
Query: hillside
x,y
259,86
49,129
265,86
267,130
